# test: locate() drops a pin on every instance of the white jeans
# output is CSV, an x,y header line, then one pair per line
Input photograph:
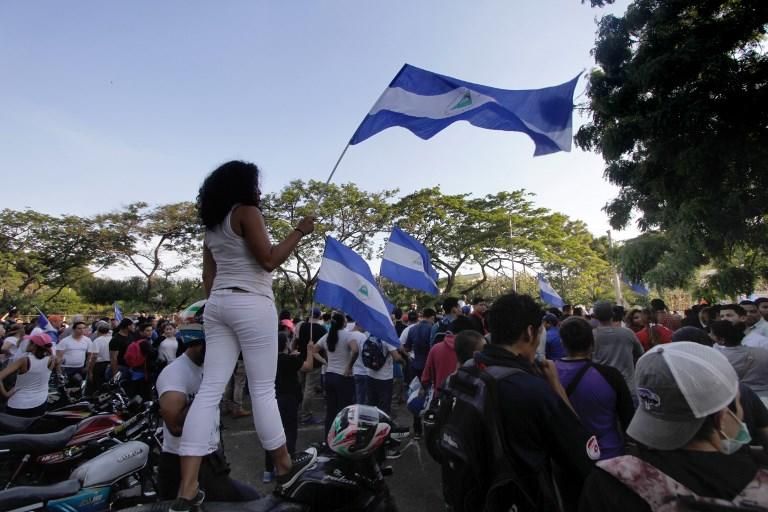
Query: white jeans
x,y
235,322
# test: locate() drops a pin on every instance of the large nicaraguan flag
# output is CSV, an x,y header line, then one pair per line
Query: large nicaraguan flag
x,y
345,282
548,294
425,103
406,261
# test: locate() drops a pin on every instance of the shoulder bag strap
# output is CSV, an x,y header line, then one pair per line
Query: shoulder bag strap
x,y
575,382
756,492
652,485
502,372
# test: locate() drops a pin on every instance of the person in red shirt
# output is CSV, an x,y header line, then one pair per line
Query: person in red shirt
x,y
442,360
653,333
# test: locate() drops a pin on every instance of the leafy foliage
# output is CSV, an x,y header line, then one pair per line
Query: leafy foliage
x,y
679,114
157,242
345,212
39,251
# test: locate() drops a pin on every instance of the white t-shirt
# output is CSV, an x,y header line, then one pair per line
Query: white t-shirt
x,y
385,372
167,350
184,376
13,342
359,369
404,334
21,349
101,347
75,351
755,339
339,358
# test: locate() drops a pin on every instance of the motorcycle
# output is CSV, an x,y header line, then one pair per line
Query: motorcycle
x,y
113,479
112,399
334,483
42,458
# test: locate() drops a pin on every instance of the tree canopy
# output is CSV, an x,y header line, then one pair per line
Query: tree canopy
x,y
51,260
679,105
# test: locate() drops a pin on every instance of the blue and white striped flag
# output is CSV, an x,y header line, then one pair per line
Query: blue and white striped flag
x,y
638,288
548,294
43,322
425,103
406,261
345,282
118,313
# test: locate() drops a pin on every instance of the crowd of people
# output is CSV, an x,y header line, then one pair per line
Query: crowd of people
x,y
81,352
602,407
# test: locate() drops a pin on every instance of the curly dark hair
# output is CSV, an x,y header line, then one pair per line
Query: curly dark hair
x,y
232,183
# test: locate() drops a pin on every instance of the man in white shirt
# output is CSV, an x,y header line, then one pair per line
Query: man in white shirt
x,y
10,344
98,362
762,307
413,319
736,314
177,386
359,371
72,351
754,320
379,389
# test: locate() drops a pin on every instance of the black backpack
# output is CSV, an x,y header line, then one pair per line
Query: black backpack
x,y
462,432
373,353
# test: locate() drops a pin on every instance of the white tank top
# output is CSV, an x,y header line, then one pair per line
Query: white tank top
x,y
32,386
235,265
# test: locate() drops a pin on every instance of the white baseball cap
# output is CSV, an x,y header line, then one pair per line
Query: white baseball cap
x,y
678,386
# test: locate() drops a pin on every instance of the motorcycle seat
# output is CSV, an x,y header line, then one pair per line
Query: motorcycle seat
x,y
37,443
269,503
11,424
17,497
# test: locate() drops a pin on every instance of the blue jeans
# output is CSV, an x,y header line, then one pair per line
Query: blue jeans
x,y
361,388
380,393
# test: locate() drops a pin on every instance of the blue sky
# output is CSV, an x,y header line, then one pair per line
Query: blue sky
x,y
106,103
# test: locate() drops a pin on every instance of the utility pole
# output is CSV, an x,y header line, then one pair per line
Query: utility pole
x,y
617,281
512,252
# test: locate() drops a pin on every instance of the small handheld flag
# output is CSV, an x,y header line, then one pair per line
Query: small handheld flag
x,y
406,261
118,313
43,322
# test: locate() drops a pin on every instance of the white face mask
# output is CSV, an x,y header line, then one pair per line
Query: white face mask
x,y
730,446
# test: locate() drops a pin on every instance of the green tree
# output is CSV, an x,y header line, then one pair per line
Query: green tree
x,y
40,252
679,113
157,241
487,233
576,264
350,215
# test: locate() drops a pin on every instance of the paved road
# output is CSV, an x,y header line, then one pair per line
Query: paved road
x,y
415,482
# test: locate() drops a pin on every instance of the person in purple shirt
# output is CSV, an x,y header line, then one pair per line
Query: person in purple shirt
x,y
598,393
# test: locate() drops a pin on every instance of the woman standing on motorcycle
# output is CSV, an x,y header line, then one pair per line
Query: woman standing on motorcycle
x,y
240,315
29,397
